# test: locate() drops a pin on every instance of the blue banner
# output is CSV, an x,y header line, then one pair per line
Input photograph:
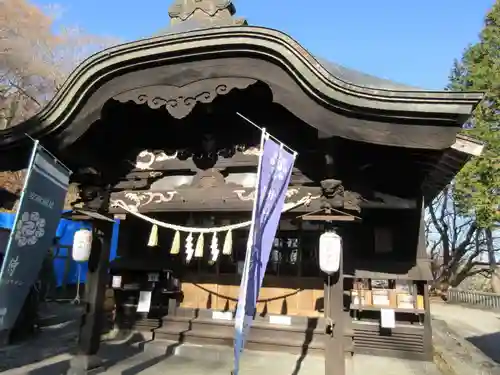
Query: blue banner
x,y
273,177
35,226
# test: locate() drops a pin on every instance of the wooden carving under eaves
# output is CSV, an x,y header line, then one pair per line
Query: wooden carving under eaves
x,y
211,178
180,101
200,198
334,195
160,161
205,12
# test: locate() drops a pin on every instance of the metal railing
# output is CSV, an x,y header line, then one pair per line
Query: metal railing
x,y
479,299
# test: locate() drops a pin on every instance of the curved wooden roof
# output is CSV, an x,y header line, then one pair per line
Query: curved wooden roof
x,y
206,49
363,79
326,84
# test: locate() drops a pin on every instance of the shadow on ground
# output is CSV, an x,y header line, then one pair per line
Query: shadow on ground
x,y
49,352
111,354
489,344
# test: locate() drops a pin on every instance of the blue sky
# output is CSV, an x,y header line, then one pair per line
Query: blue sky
x,y
412,42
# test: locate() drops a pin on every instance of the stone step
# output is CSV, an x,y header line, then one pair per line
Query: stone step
x,y
260,325
263,344
189,323
261,337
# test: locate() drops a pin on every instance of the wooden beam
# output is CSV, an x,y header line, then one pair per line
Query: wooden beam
x,y
329,218
227,198
232,199
450,163
468,145
147,161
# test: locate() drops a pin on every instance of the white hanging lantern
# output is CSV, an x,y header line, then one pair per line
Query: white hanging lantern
x,y
330,251
82,244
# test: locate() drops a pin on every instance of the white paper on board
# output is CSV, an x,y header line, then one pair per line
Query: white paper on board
x,y
222,315
144,304
387,318
282,320
116,282
154,277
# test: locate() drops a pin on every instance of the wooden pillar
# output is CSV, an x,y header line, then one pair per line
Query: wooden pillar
x,y
422,256
92,321
334,309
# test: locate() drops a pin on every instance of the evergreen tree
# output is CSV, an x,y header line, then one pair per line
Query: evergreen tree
x,y
477,185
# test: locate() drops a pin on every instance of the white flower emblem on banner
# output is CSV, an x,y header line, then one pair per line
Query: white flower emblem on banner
x,y
29,229
278,165
270,197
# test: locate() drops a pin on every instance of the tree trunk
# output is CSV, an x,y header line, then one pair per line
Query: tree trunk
x,y
495,271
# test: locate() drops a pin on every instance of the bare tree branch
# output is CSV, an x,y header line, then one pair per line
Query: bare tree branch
x,y
35,60
454,241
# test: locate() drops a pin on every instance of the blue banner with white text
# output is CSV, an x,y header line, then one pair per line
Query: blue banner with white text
x,y
33,233
275,168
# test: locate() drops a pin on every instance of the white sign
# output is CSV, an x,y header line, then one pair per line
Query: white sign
x,y
381,300
387,318
281,320
116,282
222,315
154,277
144,304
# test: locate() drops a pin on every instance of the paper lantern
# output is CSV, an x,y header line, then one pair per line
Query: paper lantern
x,y
330,252
82,244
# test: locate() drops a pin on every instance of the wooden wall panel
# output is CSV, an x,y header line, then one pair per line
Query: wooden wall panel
x,y
272,299
190,296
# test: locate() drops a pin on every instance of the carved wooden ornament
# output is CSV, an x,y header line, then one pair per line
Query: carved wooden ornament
x,y
180,101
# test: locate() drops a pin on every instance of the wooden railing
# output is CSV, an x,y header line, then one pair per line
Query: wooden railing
x,y
479,299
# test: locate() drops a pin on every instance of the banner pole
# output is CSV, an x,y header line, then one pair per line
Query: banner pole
x,y
295,153
239,343
48,152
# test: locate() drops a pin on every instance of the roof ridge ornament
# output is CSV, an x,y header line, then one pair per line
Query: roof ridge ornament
x,y
206,12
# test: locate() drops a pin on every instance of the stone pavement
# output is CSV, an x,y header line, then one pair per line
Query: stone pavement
x,y
479,327
49,353
150,359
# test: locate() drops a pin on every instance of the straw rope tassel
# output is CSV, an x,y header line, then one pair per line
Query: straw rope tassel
x,y
176,244
214,247
200,244
189,247
228,243
153,236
